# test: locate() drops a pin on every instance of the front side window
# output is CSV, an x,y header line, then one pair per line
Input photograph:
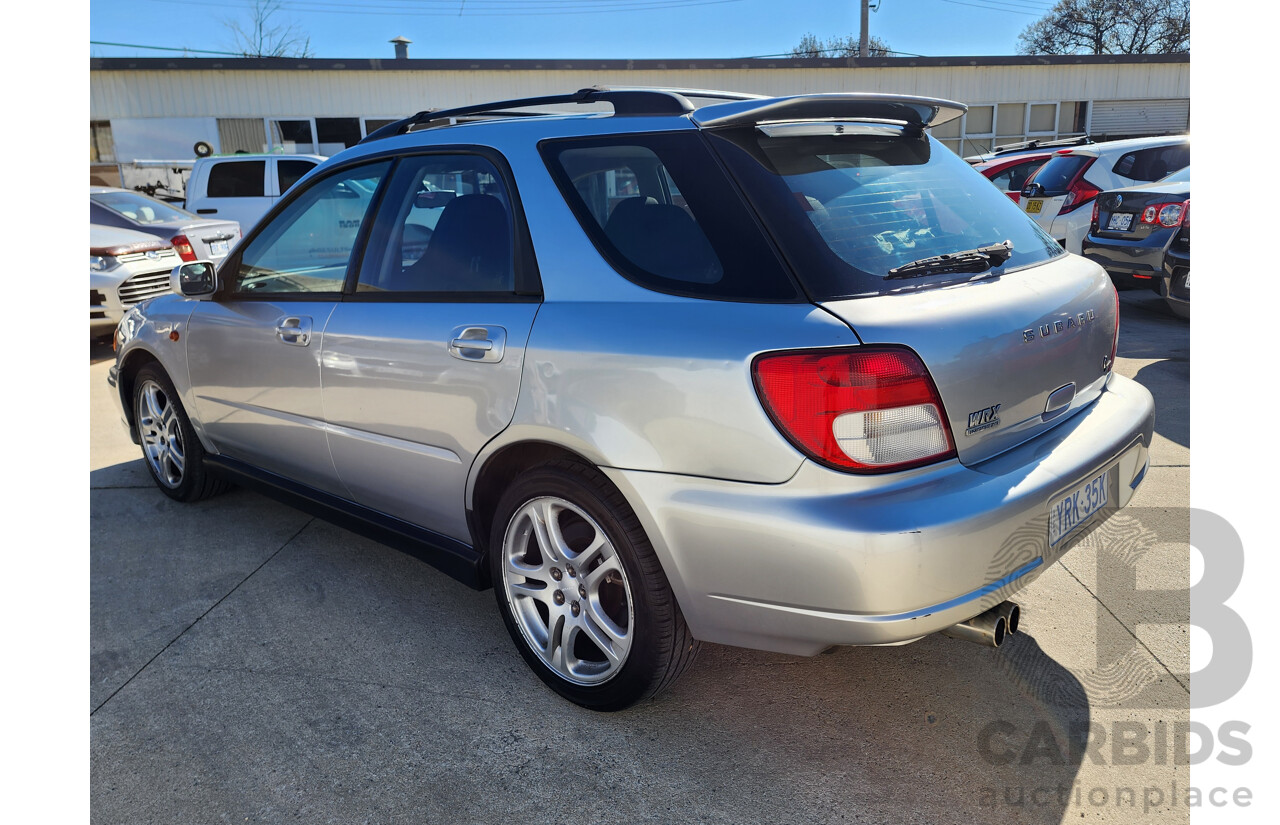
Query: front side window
x,y
659,208
446,227
848,205
308,246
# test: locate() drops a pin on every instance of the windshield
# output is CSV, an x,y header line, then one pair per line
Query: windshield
x,y
139,208
848,208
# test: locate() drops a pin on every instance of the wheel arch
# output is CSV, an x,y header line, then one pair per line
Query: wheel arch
x,y
133,362
497,469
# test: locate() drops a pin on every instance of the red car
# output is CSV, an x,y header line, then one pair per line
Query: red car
x,y
1010,173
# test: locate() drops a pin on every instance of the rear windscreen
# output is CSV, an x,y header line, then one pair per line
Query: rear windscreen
x,y
1058,172
847,208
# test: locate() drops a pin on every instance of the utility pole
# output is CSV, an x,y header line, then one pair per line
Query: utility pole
x,y
864,39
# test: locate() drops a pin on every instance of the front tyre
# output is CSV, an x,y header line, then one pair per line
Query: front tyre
x,y
172,451
581,591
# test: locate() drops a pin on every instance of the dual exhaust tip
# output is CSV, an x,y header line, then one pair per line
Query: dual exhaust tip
x,y
990,628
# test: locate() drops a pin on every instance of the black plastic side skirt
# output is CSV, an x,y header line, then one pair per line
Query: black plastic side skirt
x,y
459,560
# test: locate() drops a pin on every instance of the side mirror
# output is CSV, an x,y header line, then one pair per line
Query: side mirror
x,y
194,280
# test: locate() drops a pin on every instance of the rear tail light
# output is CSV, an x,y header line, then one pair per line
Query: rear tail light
x,y
1080,191
1166,214
864,410
183,247
1093,219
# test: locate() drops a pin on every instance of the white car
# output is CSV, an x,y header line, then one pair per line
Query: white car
x,y
243,188
125,268
1057,195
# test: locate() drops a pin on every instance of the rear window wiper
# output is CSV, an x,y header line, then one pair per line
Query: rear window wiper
x,y
969,260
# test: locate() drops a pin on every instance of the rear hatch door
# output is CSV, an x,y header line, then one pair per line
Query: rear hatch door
x,y
873,221
1047,192
998,349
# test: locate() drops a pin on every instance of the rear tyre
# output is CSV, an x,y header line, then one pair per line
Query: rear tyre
x,y
582,593
170,448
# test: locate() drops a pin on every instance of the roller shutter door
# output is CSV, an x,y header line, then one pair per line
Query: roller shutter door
x,y
1137,117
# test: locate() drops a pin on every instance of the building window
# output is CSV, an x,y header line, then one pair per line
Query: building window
x,y
372,124
101,148
1073,117
1042,119
241,135
293,136
337,133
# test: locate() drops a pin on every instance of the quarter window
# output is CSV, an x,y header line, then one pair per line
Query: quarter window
x,y
661,210
308,246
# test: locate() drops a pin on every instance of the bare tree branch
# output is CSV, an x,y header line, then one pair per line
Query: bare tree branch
x,y
848,46
265,36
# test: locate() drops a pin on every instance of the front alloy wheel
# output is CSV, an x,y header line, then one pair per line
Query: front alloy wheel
x,y
161,435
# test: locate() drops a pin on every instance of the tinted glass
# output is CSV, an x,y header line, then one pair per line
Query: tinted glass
x,y
291,171
847,208
1153,164
445,227
1058,172
138,208
238,179
661,211
308,246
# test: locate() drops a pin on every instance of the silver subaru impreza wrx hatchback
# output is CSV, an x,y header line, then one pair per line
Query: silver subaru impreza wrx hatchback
x,y
660,367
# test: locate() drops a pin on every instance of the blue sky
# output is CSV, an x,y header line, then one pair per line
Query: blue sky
x,y
564,28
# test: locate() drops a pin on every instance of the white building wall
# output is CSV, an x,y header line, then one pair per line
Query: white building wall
x,y
327,93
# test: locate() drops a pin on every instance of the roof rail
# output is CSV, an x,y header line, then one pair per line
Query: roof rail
x,y
626,100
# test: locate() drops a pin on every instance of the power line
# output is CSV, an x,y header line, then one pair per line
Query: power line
x,y
994,8
162,48
537,8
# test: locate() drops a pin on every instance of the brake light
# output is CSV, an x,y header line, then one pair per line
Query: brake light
x,y
1080,191
872,409
183,247
1166,214
1093,219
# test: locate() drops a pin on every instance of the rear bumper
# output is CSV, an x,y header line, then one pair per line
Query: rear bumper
x,y
1137,263
828,558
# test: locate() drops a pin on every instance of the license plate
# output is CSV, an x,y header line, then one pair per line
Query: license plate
x,y
1186,282
1120,221
1034,205
218,248
1075,507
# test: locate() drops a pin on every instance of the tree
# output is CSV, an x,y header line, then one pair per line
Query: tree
x,y
264,36
811,46
1111,27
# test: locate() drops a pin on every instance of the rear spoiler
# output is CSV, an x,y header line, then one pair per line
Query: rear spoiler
x,y
915,111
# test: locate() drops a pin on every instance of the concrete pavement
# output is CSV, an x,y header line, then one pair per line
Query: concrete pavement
x,y
253,664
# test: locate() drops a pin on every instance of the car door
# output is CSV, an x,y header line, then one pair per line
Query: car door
x,y
254,351
421,363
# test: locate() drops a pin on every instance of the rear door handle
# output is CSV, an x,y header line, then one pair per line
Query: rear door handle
x,y
206,211
478,343
294,330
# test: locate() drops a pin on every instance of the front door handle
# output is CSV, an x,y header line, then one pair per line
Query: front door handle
x,y
206,211
294,330
478,343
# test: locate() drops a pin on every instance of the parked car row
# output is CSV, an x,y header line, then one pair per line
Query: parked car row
x,y
1142,236
1137,225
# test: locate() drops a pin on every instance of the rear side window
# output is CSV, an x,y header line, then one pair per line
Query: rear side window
x,y
1058,172
1153,164
238,179
661,211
